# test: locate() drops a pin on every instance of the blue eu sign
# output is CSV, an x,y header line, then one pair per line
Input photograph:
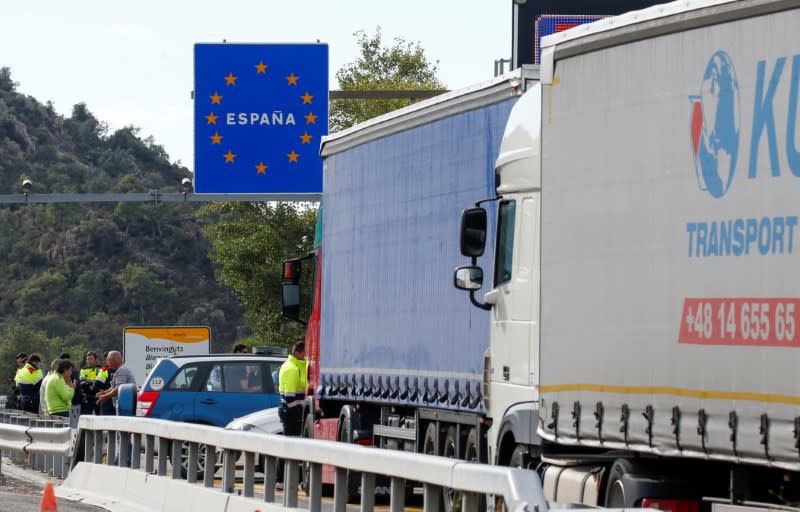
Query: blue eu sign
x,y
259,113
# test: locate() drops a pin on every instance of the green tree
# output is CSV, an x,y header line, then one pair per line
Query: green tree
x,y
402,66
251,241
6,82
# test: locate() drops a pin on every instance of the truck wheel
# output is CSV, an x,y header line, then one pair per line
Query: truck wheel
x,y
429,444
450,497
615,489
516,456
345,436
305,468
471,455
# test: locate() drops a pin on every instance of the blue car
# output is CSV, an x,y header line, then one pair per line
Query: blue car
x,y
211,389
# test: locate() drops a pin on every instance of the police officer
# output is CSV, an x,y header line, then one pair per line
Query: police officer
x,y
292,385
89,384
28,380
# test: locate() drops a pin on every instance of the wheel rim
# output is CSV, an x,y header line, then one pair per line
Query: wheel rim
x,y
450,453
201,458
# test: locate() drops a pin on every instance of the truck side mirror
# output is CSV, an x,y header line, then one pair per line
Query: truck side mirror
x,y
468,278
473,232
290,301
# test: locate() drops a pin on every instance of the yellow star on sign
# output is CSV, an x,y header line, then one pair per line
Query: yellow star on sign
x,y
216,138
293,157
230,157
211,118
230,79
311,118
305,138
306,98
292,79
261,68
262,169
216,98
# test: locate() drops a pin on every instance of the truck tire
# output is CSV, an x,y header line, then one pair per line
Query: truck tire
x,y
615,487
516,456
471,446
450,497
471,455
305,467
345,435
429,444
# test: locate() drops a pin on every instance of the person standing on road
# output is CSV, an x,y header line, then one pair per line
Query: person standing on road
x,y
29,380
89,385
43,388
77,397
103,380
292,386
122,375
240,348
60,389
13,397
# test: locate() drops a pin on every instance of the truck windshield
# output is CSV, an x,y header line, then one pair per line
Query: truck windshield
x,y
504,249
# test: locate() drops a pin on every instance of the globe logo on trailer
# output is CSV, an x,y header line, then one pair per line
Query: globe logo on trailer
x,y
715,126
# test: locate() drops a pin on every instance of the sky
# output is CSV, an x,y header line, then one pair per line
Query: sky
x,y
131,62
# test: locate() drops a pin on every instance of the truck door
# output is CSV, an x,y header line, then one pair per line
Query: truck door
x,y
515,296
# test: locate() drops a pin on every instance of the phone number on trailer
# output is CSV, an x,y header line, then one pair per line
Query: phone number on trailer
x,y
741,321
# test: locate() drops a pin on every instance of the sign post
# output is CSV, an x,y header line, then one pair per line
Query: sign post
x,y
260,111
144,346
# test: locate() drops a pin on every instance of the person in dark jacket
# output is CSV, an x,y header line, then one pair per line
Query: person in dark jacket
x,y
89,384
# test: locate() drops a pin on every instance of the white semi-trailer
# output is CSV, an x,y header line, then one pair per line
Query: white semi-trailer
x,y
644,301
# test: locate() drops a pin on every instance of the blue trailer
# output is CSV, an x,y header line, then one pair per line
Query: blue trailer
x,y
397,355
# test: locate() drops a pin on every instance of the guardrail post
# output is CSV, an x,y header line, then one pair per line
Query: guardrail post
x,y
36,459
136,451
124,450
98,446
290,483
163,450
191,462
469,501
88,445
249,474
432,498
149,453
397,499
50,461
315,488
340,491
211,466
367,492
112,448
270,476
176,456
228,470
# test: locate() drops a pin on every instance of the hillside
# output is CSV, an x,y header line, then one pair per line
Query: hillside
x,y
73,275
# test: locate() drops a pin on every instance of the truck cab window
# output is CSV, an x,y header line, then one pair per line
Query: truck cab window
x,y
505,242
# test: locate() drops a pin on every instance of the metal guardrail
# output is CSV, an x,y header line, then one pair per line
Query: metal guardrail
x,y
520,489
44,444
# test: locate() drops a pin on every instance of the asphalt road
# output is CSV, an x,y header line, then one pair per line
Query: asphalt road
x,y
21,491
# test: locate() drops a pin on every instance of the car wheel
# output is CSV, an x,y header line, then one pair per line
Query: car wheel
x,y
199,469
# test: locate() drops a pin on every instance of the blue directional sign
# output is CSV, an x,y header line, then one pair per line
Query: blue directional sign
x,y
259,113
